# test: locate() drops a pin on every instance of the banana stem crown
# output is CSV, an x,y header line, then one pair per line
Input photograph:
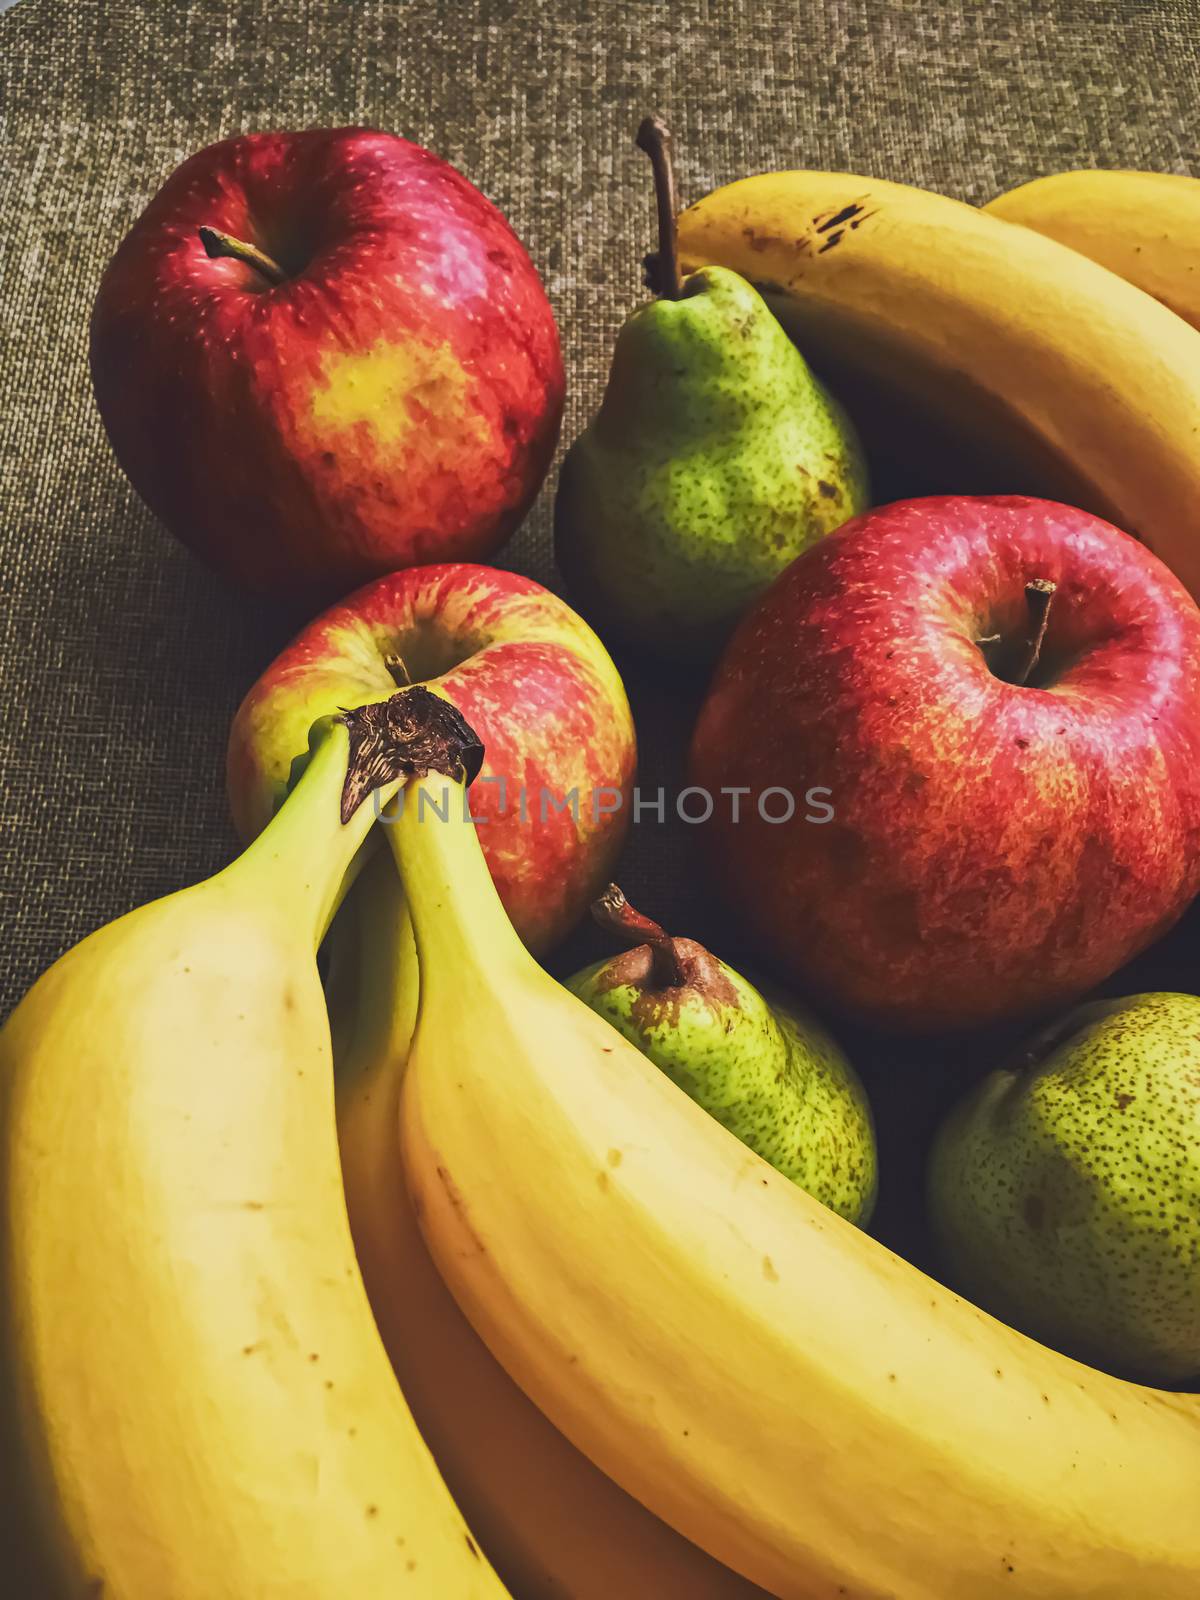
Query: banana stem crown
x,y
305,852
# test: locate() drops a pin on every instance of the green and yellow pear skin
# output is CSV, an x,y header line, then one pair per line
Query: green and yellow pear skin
x,y
715,459
768,1073
1065,1189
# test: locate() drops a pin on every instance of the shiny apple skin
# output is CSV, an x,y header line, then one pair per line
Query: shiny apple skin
x,y
995,850
530,677
395,401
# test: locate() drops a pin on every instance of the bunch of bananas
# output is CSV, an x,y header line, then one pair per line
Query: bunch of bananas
x,y
643,1362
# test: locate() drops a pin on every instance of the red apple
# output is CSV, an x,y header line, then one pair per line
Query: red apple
x,y
365,375
530,677
995,848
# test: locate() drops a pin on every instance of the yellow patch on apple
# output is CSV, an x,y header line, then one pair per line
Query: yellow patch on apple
x,y
395,389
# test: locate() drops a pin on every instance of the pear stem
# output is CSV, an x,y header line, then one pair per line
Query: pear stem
x,y
224,244
654,137
615,915
1038,596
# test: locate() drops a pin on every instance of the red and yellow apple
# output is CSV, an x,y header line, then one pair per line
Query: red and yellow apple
x,y
321,356
982,847
530,677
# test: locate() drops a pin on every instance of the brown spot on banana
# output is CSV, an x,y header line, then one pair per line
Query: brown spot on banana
x,y
455,1197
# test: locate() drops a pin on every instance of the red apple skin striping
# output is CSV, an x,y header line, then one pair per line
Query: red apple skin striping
x,y
530,677
996,849
395,400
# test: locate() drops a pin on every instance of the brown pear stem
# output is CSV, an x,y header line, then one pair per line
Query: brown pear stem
x,y
1038,596
224,244
654,137
615,915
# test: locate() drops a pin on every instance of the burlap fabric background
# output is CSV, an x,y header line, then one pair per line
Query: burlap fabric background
x,y
123,661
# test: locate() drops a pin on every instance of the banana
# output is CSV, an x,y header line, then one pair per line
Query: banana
x,y
977,355
1144,226
195,1403
553,1524
777,1385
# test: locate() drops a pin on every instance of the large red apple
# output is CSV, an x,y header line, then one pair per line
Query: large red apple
x,y
995,847
321,356
530,677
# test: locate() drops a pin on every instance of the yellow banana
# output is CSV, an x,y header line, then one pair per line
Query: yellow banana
x,y
195,1403
1144,226
553,1524
777,1385
983,357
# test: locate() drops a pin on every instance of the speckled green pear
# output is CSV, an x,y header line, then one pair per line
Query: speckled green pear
x,y
715,459
1065,1190
768,1073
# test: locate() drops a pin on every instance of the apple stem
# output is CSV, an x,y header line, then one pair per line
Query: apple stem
x,y
1038,596
395,664
654,137
224,244
615,915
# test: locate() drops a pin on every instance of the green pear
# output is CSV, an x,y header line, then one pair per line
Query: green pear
x,y
716,458
766,1071
1065,1189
